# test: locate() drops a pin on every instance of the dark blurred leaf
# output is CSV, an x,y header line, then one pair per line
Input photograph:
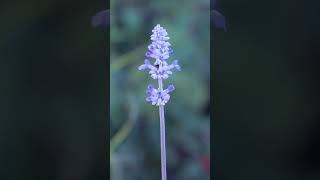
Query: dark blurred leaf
x,y
101,19
218,20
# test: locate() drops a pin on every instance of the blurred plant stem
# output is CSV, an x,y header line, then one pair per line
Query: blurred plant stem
x,y
125,130
127,58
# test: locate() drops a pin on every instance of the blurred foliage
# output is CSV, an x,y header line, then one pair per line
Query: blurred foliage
x,y
135,140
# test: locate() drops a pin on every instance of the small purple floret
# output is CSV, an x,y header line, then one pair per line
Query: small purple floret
x,y
147,62
150,86
171,88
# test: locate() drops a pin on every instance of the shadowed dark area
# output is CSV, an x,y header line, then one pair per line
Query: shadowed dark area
x,y
53,75
266,91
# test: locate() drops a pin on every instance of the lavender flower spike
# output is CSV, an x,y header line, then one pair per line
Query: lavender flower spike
x,y
160,50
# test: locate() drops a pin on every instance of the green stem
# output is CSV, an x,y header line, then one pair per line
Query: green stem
x,y
125,130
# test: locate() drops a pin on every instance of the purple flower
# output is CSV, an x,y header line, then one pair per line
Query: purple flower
x,y
158,97
146,65
160,50
157,72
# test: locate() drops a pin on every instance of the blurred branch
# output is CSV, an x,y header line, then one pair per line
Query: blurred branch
x,y
125,130
127,58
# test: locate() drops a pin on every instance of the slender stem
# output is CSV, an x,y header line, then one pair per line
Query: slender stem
x,y
163,143
162,138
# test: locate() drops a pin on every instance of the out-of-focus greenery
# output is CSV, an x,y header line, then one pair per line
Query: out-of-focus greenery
x,y
135,140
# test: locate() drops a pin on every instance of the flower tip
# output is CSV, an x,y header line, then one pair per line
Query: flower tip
x,y
151,47
147,62
141,67
176,65
147,54
175,62
171,88
150,86
170,50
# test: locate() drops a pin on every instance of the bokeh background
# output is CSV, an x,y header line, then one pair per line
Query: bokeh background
x,y
54,105
266,91
134,125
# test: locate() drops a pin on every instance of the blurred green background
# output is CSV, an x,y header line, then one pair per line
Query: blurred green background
x,y
135,133
53,82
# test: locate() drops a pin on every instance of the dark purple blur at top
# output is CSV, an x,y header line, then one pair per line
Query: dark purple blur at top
x,y
102,18
216,18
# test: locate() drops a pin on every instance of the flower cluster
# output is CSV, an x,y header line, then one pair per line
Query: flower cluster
x,y
160,72
159,50
158,97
